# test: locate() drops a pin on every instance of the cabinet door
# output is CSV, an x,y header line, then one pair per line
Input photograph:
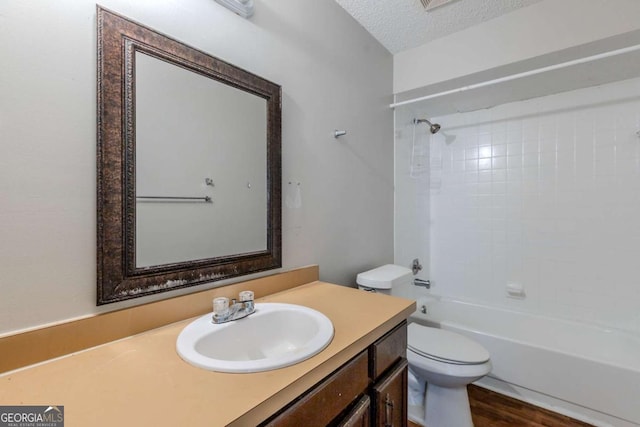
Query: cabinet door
x,y
327,400
390,398
360,416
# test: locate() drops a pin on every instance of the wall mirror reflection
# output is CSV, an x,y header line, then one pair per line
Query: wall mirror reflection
x,y
201,175
188,165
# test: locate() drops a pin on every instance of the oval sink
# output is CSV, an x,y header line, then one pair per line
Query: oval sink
x,y
275,336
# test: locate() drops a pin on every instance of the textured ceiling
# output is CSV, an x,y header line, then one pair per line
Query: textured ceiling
x,y
403,24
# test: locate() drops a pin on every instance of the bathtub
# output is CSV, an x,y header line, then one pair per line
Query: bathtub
x,y
583,371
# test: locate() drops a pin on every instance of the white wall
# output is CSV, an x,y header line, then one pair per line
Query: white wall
x,y
543,193
333,74
530,32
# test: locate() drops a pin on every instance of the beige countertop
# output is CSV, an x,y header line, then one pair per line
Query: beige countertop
x,y
141,381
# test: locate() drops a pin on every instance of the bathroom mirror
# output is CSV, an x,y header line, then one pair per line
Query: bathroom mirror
x,y
189,168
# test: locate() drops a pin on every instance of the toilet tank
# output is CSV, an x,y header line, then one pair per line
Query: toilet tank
x,y
384,279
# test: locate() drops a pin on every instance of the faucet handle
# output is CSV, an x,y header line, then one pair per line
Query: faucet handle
x,y
246,296
220,306
416,267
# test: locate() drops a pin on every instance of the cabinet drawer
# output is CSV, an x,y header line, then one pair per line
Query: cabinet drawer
x,y
360,416
390,398
388,350
329,398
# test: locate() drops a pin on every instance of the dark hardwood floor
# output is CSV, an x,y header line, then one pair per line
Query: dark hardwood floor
x,y
490,409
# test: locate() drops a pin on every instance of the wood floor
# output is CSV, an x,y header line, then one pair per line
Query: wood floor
x,y
490,409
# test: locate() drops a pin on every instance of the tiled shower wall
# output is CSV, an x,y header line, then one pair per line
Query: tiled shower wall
x,y
543,194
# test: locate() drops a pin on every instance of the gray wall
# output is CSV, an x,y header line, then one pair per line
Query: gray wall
x,y
333,74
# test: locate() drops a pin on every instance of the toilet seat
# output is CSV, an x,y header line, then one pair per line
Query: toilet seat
x,y
445,346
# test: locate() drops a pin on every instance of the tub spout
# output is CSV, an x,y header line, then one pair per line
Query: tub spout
x,y
422,283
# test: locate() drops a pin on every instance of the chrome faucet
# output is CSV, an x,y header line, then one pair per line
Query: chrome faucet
x,y
223,313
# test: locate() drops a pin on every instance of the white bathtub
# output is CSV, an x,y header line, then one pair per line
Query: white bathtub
x,y
587,372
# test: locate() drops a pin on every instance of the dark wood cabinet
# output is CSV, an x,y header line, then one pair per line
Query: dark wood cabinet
x,y
369,390
388,350
360,416
324,402
390,397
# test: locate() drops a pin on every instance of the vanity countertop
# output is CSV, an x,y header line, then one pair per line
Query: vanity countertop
x,y
140,380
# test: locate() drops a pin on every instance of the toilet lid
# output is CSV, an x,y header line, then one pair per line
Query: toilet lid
x,y
445,346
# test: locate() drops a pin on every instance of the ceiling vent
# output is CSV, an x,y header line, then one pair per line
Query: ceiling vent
x,y
243,8
432,4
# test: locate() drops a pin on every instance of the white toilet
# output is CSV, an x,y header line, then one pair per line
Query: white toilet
x,y
447,362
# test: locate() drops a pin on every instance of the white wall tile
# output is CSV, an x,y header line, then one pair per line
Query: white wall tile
x,y
545,193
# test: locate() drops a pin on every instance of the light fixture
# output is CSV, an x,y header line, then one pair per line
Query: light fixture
x,y
243,8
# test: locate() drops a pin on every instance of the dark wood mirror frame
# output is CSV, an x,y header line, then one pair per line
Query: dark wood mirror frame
x,y
118,277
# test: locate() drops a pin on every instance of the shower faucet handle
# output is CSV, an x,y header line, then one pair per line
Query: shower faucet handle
x,y
416,266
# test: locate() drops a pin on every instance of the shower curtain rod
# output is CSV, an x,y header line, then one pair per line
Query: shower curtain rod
x,y
520,75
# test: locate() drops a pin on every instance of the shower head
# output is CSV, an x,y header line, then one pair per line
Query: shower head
x,y
433,127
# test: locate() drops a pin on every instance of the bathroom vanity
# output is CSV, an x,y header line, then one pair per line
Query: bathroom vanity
x,y
371,386
141,380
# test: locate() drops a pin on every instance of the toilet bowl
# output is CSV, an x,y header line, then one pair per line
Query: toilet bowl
x,y
442,363
447,362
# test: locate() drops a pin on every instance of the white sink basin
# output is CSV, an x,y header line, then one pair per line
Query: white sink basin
x,y
275,336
